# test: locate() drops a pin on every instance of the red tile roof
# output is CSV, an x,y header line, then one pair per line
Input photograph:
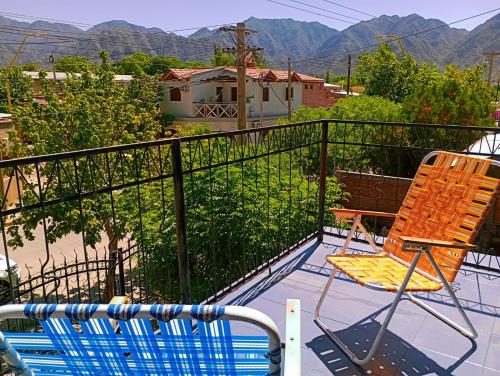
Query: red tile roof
x,y
254,73
306,78
182,73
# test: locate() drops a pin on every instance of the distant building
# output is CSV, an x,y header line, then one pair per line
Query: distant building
x,y
61,76
209,95
6,125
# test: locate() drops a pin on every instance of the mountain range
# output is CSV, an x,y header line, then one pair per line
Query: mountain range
x,y
312,46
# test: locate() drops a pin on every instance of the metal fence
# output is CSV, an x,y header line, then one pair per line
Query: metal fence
x,y
197,216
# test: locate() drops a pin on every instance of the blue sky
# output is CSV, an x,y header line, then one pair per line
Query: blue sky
x,y
173,15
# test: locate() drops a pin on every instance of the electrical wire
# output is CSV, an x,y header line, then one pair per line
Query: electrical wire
x,y
111,29
346,7
326,10
309,11
346,52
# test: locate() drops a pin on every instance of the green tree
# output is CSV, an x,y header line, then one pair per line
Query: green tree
x,y
136,63
220,59
21,88
73,64
453,97
328,77
33,67
141,63
356,156
386,75
194,64
161,64
367,108
227,235
94,112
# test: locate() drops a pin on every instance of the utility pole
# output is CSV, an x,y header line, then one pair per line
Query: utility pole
x,y
498,86
289,89
241,65
348,75
242,52
491,59
52,62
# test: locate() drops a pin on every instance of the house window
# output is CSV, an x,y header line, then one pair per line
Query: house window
x,y
175,94
265,94
306,86
234,94
286,93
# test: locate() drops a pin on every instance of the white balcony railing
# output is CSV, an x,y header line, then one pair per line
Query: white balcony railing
x,y
214,110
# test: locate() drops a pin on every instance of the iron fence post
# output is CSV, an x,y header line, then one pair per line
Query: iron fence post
x,y
121,271
322,178
180,222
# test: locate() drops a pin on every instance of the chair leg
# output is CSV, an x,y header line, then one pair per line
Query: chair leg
x,y
383,328
471,332
350,235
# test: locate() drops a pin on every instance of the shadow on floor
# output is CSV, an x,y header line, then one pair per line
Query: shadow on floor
x,y
274,277
395,355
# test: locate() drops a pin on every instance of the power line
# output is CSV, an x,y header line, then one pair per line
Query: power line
x,y
347,52
325,10
108,29
309,11
21,31
346,7
201,43
25,16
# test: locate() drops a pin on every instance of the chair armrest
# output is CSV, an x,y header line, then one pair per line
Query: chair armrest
x,y
410,241
293,366
349,213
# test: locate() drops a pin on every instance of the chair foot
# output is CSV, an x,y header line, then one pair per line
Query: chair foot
x,y
342,346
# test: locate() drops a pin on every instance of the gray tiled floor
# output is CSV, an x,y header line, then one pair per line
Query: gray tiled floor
x,y
416,343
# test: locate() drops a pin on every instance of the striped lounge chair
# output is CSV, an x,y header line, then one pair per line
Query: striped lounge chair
x,y
133,339
440,217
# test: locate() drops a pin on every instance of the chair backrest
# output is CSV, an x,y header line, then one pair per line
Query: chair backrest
x,y
80,339
448,200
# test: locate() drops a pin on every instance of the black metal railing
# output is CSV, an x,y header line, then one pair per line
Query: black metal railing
x,y
197,216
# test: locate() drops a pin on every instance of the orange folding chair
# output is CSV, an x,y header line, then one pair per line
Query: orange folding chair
x,y
436,225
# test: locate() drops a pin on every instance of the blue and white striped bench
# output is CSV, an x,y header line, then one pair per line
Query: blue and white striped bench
x,y
80,339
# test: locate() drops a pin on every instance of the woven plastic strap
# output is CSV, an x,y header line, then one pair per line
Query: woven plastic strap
x,y
448,200
39,311
207,313
123,311
80,311
165,312
133,346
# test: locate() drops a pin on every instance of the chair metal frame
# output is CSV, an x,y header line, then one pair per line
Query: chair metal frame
x,y
233,313
419,247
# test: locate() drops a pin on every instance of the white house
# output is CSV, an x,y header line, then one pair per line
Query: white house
x,y
209,95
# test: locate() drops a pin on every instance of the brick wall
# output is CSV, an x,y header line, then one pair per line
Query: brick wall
x,y
316,95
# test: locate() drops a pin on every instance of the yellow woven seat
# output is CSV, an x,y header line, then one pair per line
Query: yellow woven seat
x,y
381,272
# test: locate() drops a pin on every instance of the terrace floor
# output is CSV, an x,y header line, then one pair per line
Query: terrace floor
x,y
416,342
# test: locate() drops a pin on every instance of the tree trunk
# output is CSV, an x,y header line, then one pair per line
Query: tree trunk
x,y
110,282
